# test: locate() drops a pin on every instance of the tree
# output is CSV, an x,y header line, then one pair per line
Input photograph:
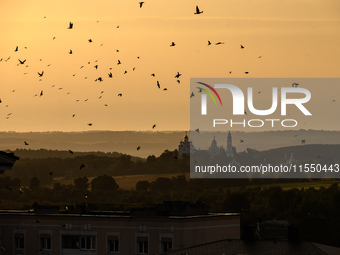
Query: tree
x,y
104,183
81,183
162,184
34,183
142,185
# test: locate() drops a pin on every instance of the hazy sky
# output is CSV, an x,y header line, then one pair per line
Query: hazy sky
x,y
295,39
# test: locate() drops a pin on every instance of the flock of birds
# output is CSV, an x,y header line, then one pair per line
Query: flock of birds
x,y
41,73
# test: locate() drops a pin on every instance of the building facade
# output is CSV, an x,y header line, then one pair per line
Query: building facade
x,y
26,233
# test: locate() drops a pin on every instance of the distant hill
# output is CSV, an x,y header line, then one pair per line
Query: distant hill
x,y
43,153
154,143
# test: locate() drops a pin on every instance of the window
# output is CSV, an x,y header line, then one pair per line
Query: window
x,y
166,244
87,243
45,242
113,244
142,245
19,241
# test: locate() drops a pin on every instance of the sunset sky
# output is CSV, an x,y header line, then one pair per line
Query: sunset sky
x,y
295,39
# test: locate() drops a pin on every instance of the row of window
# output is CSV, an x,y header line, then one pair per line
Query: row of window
x,y
89,243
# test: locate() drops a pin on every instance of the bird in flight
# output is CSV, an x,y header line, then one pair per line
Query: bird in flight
x,y
110,75
70,25
26,143
178,75
246,72
82,166
22,62
209,43
41,74
158,85
153,126
118,62
197,130
218,43
120,94
70,151
41,93
294,85
141,4
89,124
70,52
178,81
138,148
16,49
242,47
192,94
153,74
90,40
172,44
198,10
96,66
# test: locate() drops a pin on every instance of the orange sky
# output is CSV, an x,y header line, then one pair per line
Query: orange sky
x,y
294,38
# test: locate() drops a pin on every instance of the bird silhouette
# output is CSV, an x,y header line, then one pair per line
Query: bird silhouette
x,y
16,49
197,130
178,75
138,148
110,75
192,94
209,43
158,85
153,126
22,62
303,141
82,166
118,63
165,89
153,74
26,143
70,52
141,4
198,10
96,66
90,40
70,151
295,85
241,141
218,43
242,47
246,72
41,74
41,93
178,81
70,25
120,94
172,44
89,124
